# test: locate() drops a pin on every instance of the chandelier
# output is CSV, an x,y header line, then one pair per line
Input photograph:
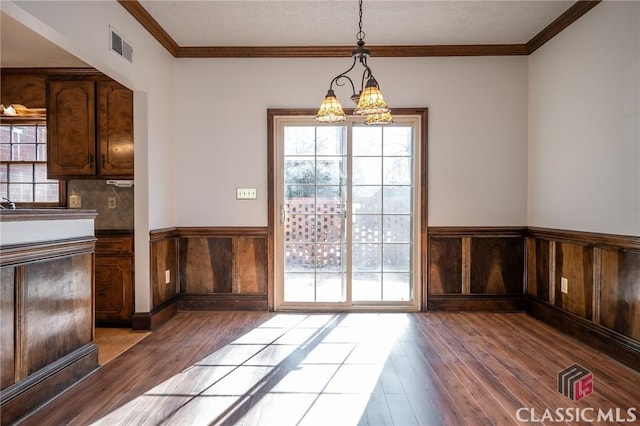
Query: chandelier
x,y
369,100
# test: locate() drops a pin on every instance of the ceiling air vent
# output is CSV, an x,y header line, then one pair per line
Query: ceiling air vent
x,y
120,46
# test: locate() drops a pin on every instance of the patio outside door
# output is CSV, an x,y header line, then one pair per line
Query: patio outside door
x,y
346,232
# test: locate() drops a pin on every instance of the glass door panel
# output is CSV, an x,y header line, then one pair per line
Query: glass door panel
x,y
314,210
382,217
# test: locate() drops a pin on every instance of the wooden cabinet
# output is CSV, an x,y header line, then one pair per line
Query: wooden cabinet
x,y
114,280
71,143
90,128
115,129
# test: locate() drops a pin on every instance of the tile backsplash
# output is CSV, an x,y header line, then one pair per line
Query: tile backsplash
x,y
95,196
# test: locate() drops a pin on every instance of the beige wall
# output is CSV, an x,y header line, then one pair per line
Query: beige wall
x,y
477,131
584,124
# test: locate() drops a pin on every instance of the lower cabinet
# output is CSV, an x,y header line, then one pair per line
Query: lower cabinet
x,y
114,280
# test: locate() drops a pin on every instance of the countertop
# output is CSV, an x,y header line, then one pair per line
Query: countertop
x,y
7,215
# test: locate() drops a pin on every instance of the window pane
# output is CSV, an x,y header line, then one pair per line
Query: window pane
x,y
300,287
5,152
397,287
300,170
329,257
46,193
367,228
299,140
23,152
40,173
300,228
329,140
397,171
4,173
333,192
366,199
367,286
397,199
299,191
42,134
41,152
329,287
397,141
367,141
397,228
3,190
367,257
20,173
5,134
21,193
329,228
300,257
367,171
24,134
397,257
328,171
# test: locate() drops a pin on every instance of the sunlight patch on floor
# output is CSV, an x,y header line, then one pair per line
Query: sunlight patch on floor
x,y
292,369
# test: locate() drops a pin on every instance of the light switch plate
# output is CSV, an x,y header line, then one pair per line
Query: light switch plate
x,y
564,285
246,194
112,202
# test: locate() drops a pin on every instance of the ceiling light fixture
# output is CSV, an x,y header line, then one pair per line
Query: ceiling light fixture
x,y
369,100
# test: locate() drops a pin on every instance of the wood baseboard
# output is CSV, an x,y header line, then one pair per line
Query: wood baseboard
x,y
222,302
26,396
617,346
476,303
149,321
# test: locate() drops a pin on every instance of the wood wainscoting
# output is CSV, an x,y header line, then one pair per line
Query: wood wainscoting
x,y
208,269
46,316
601,305
475,268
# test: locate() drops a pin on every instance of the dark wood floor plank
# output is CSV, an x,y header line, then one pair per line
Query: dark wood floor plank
x,y
616,385
482,398
251,368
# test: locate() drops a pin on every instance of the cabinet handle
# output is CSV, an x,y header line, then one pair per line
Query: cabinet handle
x,y
91,161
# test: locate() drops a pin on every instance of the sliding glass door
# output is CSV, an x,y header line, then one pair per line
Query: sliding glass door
x,y
347,227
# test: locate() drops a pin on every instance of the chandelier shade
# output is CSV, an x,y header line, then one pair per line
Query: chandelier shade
x,y
369,100
380,119
330,110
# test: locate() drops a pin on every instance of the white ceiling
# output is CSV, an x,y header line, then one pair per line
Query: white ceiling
x,y
335,23
312,23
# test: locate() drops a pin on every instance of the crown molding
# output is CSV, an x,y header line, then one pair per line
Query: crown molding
x,y
571,15
150,24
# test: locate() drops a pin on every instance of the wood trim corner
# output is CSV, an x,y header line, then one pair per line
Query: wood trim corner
x,y
570,16
150,24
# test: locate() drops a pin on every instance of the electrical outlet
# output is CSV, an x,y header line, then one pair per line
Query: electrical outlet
x,y
564,285
112,202
167,276
75,202
246,193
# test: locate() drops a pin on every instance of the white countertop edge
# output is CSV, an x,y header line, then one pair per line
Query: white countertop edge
x,y
44,230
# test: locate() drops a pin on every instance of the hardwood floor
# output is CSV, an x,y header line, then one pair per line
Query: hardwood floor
x,y
112,342
262,369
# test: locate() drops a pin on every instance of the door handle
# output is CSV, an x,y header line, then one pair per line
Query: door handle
x,y
283,214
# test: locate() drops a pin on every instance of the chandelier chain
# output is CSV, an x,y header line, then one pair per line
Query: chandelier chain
x,y
360,35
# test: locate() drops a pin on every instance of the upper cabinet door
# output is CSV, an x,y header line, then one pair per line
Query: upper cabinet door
x,y
71,146
115,129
